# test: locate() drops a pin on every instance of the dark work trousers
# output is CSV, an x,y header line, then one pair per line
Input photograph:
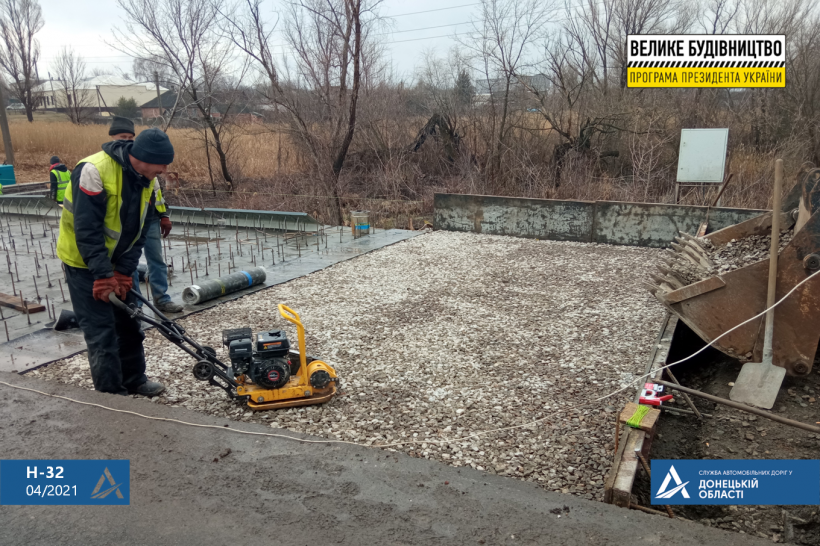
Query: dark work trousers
x,y
114,339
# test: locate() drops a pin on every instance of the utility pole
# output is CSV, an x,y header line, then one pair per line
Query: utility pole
x,y
4,127
159,95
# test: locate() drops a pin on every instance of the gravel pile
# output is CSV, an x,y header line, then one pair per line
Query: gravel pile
x,y
698,259
446,335
740,253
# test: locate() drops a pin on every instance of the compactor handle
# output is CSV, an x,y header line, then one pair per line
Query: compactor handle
x,y
292,316
112,297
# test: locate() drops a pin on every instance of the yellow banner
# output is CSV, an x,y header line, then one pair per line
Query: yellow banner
x,y
706,77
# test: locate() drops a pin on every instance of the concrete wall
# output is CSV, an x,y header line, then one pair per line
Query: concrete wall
x,y
609,222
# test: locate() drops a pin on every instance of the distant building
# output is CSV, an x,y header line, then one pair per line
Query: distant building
x,y
186,110
154,109
486,89
99,93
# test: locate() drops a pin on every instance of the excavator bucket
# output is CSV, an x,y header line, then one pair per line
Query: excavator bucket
x,y
718,281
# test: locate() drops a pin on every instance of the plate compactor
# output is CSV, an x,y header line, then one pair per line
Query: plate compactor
x,y
264,371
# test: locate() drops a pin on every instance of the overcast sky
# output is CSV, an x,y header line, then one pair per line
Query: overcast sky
x,y
86,26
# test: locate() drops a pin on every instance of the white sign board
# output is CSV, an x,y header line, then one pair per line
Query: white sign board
x,y
702,156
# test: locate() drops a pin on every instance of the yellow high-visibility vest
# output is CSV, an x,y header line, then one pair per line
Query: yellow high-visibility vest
x,y
111,175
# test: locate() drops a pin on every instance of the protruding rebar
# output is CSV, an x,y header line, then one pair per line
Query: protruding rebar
x,y
23,302
36,290
48,278
61,289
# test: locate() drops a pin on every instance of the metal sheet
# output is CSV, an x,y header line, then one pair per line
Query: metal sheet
x,y
702,155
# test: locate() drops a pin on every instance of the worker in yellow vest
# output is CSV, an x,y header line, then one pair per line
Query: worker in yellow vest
x,y
156,224
59,176
102,232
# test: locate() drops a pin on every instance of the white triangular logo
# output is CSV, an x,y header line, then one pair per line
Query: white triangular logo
x,y
680,486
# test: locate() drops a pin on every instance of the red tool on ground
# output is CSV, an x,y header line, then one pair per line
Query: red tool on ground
x,y
651,395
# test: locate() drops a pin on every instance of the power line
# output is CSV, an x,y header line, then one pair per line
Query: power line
x,y
432,10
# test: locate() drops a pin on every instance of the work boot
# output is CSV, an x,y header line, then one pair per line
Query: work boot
x,y
149,388
168,307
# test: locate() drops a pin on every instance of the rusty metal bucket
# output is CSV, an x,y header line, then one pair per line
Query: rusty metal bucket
x,y
719,303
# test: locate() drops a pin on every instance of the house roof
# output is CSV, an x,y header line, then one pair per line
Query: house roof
x,y
169,98
102,81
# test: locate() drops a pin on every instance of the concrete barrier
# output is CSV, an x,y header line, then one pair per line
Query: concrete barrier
x,y
608,222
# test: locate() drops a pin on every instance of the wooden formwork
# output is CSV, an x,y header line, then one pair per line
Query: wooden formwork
x,y
633,441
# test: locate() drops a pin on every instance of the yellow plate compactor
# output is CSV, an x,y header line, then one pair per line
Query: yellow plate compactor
x,y
264,370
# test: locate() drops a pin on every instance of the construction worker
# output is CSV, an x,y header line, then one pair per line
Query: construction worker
x,y
159,223
121,129
59,176
102,233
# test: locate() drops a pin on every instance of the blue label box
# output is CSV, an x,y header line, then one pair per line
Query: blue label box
x,y
744,481
65,482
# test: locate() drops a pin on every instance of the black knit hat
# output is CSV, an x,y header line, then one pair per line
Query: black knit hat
x,y
121,125
55,160
153,146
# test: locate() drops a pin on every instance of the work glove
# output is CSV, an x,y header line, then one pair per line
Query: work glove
x,y
124,284
165,226
103,287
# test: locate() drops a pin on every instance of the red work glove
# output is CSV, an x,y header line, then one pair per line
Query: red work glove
x,y
124,284
165,226
103,287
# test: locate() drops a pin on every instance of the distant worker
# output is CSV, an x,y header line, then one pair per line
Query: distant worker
x,y
158,222
121,129
102,233
59,176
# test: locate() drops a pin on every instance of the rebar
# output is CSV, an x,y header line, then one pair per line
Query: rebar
x,y
23,302
48,307
36,290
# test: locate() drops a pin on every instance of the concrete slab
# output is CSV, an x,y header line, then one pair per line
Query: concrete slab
x,y
28,264
203,486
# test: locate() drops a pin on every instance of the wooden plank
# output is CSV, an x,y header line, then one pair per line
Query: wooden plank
x,y
611,476
625,475
648,421
14,303
621,475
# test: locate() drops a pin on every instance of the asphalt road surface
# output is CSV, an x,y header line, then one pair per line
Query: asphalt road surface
x,y
202,486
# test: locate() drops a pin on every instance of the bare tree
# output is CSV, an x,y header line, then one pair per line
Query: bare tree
x,y
183,36
320,94
717,15
144,70
646,17
20,20
500,42
71,93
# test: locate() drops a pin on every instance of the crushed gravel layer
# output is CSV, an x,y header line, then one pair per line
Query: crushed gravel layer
x,y
446,335
733,255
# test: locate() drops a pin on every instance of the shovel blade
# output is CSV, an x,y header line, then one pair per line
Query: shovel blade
x,y
758,384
